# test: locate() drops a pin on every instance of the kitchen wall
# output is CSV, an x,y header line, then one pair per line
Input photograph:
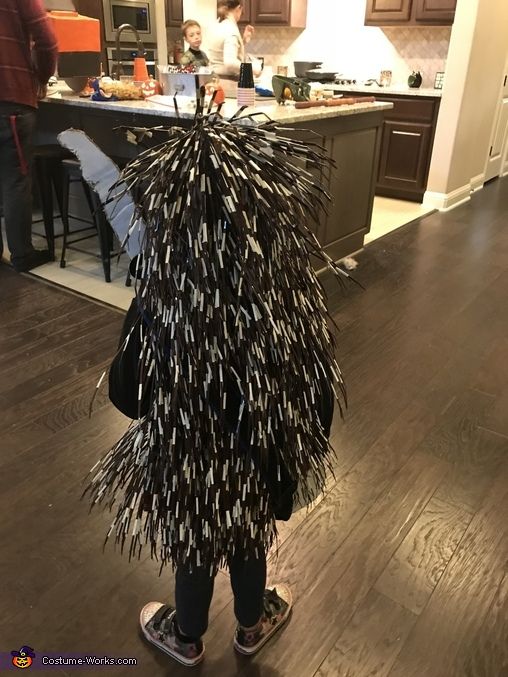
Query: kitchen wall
x,y
335,34
478,54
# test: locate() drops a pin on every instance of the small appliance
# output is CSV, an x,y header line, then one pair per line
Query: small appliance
x,y
137,13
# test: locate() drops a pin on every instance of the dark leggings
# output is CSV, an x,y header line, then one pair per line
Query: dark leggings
x,y
194,591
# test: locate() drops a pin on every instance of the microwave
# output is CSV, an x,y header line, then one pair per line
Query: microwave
x,y
138,13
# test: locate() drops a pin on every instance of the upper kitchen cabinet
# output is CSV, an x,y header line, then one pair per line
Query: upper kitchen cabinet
x,y
174,13
246,13
440,12
291,13
381,12
410,12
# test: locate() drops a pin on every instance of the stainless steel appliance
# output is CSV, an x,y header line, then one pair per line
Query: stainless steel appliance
x,y
127,55
138,13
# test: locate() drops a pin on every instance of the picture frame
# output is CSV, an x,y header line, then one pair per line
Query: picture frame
x,y
439,79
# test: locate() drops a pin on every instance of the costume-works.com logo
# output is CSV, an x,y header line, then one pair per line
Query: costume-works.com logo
x,y
23,658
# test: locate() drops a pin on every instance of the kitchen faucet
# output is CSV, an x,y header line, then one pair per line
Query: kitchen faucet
x,y
117,69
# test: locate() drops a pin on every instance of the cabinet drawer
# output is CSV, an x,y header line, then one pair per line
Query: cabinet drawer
x,y
410,110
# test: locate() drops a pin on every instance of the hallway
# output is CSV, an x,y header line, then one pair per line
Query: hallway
x,y
400,570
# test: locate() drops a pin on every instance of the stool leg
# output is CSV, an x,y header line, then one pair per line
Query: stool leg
x,y
43,173
103,229
64,214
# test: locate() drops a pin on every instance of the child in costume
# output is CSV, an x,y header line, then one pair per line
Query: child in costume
x,y
226,366
194,56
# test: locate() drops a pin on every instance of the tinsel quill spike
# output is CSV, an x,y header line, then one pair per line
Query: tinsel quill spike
x,y
225,335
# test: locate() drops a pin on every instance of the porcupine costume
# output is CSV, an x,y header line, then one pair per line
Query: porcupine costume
x,y
236,355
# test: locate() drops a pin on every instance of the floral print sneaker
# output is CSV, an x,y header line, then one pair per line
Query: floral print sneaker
x,y
277,605
157,622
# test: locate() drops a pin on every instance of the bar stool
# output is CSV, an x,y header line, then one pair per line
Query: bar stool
x,y
98,223
47,161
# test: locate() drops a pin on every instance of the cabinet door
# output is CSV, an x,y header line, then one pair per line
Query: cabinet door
x,y
387,11
271,11
439,11
404,161
246,12
174,13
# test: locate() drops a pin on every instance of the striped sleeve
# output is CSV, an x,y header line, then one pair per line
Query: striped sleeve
x,y
45,45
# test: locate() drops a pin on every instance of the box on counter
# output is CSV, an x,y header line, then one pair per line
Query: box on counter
x,y
182,84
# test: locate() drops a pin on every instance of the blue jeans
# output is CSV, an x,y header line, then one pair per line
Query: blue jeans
x,y
194,591
16,130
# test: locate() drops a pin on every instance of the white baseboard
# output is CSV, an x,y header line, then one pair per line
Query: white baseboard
x,y
446,201
477,182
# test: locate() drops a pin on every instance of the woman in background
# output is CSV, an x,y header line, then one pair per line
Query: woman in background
x,y
226,47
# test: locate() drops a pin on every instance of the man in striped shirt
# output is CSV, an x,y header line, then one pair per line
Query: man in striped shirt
x,y
28,58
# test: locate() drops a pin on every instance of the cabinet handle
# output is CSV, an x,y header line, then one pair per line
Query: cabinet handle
x,y
406,133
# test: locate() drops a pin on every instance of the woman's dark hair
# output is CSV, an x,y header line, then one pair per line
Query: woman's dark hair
x,y
226,6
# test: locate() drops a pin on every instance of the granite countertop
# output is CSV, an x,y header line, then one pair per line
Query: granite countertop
x,y
399,90
287,114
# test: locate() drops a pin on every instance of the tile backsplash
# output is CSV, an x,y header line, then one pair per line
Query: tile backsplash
x,y
345,45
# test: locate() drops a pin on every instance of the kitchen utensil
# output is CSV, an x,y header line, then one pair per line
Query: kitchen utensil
x,y
301,67
328,103
290,88
318,75
415,80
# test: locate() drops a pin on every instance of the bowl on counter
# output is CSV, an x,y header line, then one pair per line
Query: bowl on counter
x,y
317,75
77,83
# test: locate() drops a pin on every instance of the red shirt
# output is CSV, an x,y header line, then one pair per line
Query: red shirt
x,y
22,70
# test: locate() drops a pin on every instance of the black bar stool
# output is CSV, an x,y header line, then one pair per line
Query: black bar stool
x,y
98,223
47,161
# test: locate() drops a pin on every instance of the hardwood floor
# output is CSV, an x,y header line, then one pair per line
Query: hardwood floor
x,y
399,570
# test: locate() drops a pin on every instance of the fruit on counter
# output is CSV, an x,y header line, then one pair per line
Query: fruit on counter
x,y
287,94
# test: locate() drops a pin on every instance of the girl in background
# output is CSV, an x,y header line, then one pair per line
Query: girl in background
x,y
226,46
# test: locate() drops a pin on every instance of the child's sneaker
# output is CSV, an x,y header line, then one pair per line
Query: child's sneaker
x,y
277,607
158,625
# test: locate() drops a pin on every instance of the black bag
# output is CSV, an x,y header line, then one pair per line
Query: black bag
x,y
124,370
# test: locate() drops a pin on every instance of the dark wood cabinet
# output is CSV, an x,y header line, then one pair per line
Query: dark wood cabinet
x,y
403,164
381,11
410,12
271,12
291,13
351,184
247,12
435,11
406,147
174,13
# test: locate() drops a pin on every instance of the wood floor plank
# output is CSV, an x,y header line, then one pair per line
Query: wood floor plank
x,y
428,332
371,641
475,454
456,611
39,340
487,654
416,567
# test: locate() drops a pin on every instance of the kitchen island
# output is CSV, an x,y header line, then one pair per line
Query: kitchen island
x,y
350,134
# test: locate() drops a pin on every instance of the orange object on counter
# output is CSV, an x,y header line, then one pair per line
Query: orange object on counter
x,y
76,33
140,69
